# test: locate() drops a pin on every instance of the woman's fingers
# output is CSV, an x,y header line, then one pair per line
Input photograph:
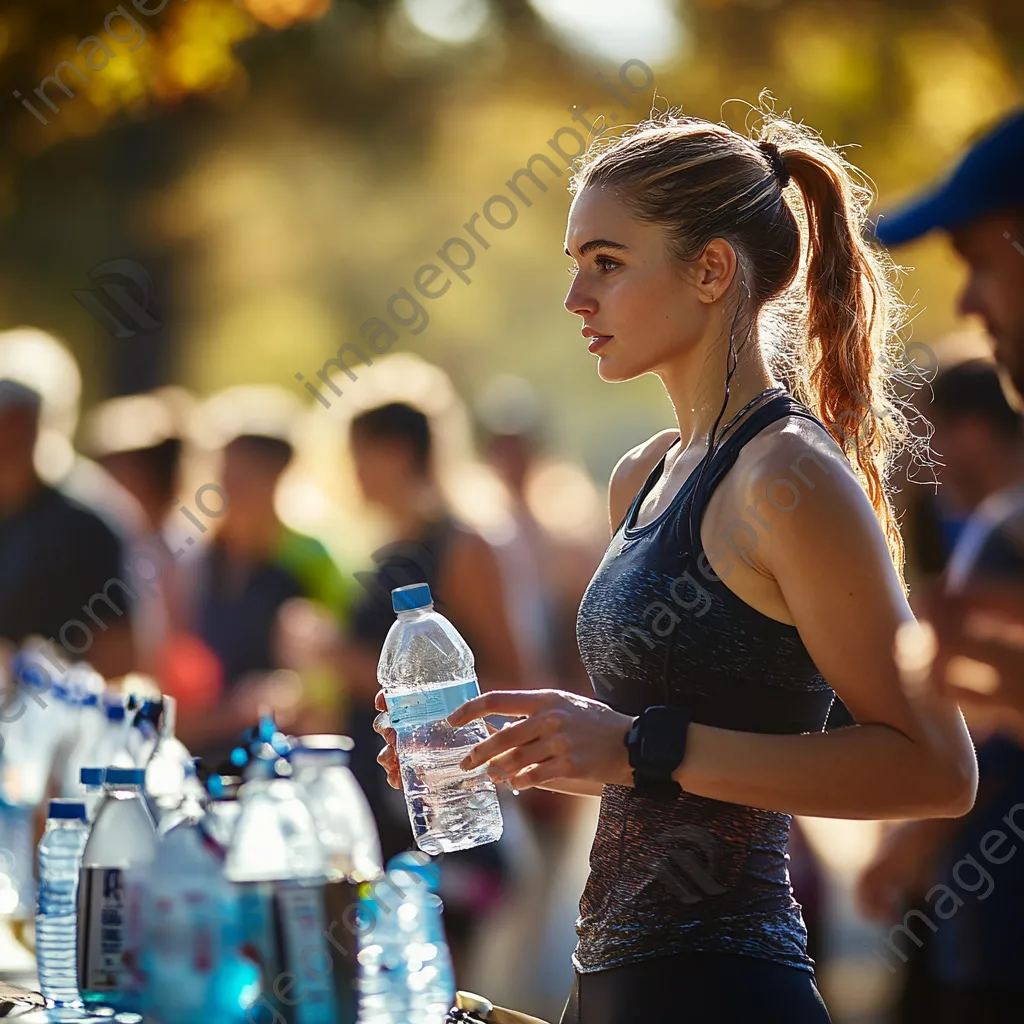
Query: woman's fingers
x,y
506,766
503,739
514,703
388,760
379,702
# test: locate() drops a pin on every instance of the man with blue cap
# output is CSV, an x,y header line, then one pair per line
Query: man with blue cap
x,y
976,951
981,206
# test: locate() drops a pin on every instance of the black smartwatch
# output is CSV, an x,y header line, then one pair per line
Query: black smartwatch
x,y
657,746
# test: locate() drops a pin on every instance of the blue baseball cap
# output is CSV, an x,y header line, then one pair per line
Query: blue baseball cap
x,y
988,179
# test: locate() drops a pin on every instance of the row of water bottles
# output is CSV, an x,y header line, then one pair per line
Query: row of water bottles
x,y
55,723
265,905
261,898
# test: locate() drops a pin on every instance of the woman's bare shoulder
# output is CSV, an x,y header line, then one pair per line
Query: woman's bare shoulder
x,y
632,470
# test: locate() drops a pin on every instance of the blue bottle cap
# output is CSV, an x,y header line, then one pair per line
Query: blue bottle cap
x,y
416,595
125,776
115,712
31,674
92,776
66,810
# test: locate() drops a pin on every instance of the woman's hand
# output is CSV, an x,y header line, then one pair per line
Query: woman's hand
x,y
387,758
563,736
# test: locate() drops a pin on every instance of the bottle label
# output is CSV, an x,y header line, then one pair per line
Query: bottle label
x,y
421,707
101,929
285,929
300,918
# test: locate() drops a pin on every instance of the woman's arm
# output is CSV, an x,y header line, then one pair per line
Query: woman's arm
x,y
831,564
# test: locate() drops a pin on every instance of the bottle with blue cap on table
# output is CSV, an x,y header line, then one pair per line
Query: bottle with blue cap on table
x,y
92,780
426,671
123,836
60,853
280,868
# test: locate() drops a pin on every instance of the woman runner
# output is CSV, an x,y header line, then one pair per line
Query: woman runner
x,y
754,572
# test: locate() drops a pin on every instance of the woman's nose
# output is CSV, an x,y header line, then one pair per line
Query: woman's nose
x,y
576,301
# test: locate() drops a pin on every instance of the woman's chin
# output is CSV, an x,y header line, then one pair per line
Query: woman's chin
x,y
611,371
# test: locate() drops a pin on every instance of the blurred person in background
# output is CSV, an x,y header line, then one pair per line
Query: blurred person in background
x,y
393,452
62,571
545,575
239,594
977,953
979,445
135,440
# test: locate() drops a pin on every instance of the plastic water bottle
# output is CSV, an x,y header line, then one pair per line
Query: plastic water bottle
x,y
123,837
190,960
343,818
170,771
92,779
407,968
112,742
222,811
84,691
276,857
189,808
426,671
427,962
60,853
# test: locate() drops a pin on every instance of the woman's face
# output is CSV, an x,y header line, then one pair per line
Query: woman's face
x,y
640,301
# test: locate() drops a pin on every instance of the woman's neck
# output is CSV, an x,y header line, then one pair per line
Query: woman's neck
x,y
696,384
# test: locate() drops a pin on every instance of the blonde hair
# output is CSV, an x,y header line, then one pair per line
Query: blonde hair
x,y
826,300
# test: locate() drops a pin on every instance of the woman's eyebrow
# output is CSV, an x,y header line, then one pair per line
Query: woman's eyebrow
x,y
598,243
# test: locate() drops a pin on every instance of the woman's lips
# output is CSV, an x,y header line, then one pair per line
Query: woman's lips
x,y
598,340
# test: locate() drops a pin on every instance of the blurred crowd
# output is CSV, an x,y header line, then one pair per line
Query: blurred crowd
x,y
178,540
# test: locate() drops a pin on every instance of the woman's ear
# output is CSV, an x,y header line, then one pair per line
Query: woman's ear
x,y
715,269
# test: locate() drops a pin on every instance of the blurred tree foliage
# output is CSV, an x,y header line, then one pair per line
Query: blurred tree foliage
x,y
291,162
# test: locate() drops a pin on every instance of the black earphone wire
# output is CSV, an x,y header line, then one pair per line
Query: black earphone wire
x,y
731,364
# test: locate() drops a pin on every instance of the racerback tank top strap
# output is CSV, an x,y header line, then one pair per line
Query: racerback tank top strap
x,y
771,409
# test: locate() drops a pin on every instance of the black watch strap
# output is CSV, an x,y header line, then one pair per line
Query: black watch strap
x,y
657,745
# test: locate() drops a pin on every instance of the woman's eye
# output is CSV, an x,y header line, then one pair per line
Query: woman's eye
x,y
605,263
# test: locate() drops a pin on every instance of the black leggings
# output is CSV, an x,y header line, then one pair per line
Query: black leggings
x,y
696,988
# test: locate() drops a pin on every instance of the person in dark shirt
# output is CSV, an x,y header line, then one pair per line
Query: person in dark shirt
x,y
968,969
976,948
240,584
62,571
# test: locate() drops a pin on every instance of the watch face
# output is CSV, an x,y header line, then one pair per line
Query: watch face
x,y
663,739
657,744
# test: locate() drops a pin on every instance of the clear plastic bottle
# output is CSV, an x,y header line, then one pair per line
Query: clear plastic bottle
x,y
111,746
83,687
189,807
427,962
222,811
60,854
34,715
170,771
92,779
344,821
123,837
277,859
406,966
189,944
426,671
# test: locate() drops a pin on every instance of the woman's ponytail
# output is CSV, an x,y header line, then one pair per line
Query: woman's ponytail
x,y
851,318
